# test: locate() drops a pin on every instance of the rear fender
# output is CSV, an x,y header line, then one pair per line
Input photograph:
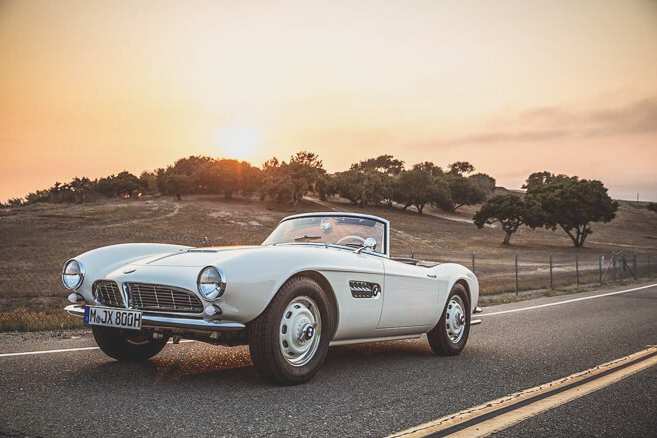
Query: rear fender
x,y
454,273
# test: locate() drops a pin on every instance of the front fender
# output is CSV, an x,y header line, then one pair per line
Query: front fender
x,y
101,261
254,278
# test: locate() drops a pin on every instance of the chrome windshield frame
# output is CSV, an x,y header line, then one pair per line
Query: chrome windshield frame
x,y
384,222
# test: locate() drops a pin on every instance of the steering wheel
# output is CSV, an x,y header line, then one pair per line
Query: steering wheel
x,y
360,239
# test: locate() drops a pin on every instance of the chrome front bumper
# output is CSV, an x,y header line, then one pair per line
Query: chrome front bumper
x,y
161,321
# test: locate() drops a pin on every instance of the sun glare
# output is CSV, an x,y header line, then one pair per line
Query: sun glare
x,y
240,142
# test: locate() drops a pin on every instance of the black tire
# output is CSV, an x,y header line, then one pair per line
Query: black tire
x,y
439,340
126,345
264,334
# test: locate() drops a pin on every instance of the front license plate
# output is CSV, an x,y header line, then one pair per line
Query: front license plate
x,y
127,319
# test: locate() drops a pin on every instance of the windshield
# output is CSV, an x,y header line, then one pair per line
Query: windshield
x,y
335,230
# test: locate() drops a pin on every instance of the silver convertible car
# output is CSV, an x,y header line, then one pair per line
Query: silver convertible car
x,y
319,279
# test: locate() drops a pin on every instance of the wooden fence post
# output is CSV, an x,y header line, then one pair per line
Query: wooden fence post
x,y
516,260
473,263
600,258
551,279
614,268
577,270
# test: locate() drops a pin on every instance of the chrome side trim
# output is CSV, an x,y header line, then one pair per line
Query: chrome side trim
x,y
381,339
160,321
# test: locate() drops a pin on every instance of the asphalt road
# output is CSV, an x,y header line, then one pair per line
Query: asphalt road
x,y
194,389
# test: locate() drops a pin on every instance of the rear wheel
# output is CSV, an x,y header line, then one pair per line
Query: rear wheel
x,y
449,336
289,340
126,345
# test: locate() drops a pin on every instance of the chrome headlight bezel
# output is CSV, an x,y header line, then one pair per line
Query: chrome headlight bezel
x,y
211,283
80,274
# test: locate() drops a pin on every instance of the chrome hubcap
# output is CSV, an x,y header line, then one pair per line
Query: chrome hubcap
x,y
455,319
300,331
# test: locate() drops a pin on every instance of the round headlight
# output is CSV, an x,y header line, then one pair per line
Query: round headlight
x,y
211,283
72,274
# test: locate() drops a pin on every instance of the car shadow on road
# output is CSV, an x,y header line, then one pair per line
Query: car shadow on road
x,y
378,354
197,366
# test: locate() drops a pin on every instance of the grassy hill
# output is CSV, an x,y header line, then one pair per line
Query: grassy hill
x,y
37,239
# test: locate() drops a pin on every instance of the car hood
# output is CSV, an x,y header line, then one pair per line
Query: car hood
x,y
196,257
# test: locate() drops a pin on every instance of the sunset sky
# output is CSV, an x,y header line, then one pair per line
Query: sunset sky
x,y
90,87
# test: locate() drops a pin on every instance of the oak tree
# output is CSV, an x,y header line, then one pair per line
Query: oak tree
x,y
510,211
571,204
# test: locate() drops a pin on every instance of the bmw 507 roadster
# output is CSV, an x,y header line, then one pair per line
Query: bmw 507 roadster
x,y
319,279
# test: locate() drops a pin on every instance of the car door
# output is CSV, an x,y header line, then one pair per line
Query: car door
x,y
359,289
411,296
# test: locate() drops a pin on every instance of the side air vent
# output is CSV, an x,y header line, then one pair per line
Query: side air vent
x,y
364,289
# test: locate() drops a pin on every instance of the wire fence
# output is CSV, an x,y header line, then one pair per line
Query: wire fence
x,y
528,272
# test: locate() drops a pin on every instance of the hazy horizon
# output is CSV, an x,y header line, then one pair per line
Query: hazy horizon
x,y
94,88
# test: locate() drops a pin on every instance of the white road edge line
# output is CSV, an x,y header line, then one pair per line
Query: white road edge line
x,y
572,300
65,350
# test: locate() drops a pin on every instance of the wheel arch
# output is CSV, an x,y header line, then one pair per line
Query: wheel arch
x,y
471,286
325,285
454,273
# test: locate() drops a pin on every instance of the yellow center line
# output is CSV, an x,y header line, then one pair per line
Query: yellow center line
x,y
510,418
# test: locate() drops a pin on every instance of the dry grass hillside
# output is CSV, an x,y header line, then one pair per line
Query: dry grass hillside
x,y
37,239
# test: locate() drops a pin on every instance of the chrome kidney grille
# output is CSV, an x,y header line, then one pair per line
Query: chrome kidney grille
x,y
157,297
107,293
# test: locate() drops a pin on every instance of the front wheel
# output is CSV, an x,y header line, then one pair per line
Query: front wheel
x,y
449,336
290,339
127,345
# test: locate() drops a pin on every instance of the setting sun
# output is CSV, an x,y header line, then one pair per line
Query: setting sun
x,y
239,142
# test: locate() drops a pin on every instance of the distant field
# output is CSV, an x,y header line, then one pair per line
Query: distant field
x,y
37,239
